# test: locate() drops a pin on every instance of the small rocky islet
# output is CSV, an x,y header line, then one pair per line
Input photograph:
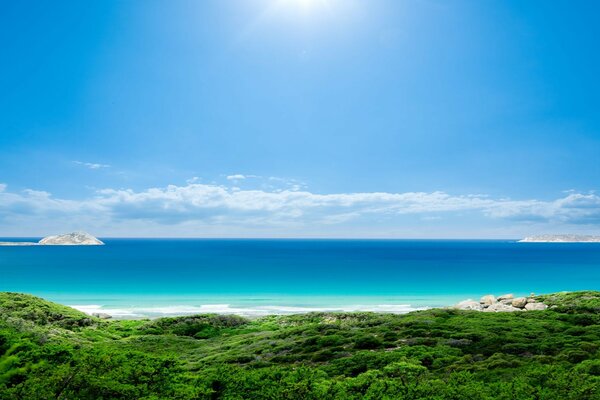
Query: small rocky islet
x,y
561,239
67,239
503,303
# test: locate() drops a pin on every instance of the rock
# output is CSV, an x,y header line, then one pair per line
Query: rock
x,y
499,307
506,297
70,239
102,315
468,305
535,306
489,299
504,303
519,302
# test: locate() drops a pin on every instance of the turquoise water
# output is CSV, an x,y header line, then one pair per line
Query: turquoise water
x,y
152,277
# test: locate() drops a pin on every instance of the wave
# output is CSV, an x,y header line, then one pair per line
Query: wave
x,y
114,312
249,311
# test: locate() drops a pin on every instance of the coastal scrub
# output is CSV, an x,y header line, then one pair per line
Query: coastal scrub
x,y
52,351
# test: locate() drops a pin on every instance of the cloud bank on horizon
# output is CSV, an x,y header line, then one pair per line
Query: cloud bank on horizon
x,y
201,210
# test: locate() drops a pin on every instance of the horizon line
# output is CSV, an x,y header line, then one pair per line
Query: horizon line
x,y
277,238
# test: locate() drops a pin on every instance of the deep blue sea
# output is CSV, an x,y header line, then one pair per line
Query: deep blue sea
x,y
131,278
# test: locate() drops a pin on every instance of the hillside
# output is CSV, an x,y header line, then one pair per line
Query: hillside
x,y
52,351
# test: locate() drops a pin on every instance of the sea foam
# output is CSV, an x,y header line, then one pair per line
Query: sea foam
x,y
249,311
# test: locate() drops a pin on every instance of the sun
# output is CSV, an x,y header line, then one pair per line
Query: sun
x,y
305,5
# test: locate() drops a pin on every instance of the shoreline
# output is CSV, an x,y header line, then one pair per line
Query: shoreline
x,y
133,306
134,313
255,307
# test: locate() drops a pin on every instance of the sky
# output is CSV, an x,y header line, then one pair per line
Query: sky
x,y
300,118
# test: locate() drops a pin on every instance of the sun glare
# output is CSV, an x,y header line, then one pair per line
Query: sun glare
x,y
305,5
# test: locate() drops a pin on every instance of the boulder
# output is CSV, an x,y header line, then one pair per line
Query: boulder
x,y
499,307
468,305
489,299
519,302
530,300
508,296
535,306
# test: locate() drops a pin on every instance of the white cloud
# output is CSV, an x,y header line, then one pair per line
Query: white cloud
x,y
272,183
91,165
237,209
236,177
241,177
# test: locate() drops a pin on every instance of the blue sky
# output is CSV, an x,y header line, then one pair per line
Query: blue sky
x,y
300,118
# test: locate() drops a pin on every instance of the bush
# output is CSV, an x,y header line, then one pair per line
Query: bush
x,y
368,342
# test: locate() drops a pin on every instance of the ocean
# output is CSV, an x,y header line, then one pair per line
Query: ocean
x,y
135,278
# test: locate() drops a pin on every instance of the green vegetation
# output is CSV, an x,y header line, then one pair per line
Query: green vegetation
x,y
50,351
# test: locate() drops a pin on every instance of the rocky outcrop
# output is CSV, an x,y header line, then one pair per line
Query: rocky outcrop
x,y
71,239
503,303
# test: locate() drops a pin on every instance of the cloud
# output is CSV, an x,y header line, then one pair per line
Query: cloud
x,y
241,177
575,208
91,165
269,182
236,177
235,209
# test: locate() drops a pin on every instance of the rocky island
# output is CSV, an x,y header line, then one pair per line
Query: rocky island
x,y
68,239
561,239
